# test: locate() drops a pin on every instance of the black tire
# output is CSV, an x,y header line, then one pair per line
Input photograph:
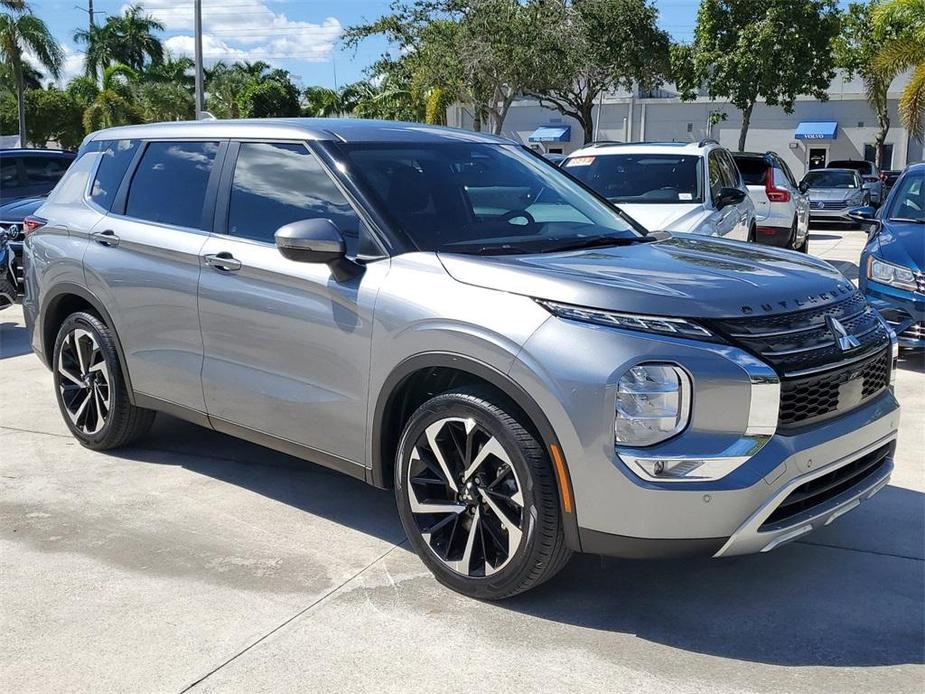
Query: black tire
x,y
752,235
540,551
803,247
7,292
120,423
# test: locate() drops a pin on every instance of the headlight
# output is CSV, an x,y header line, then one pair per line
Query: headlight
x,y
893,275
679,327
653,404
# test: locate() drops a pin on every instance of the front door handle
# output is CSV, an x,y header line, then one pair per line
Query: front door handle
x,y
224,261
105,238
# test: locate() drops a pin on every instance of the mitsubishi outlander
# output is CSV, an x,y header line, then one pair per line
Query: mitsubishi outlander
x,y
448,314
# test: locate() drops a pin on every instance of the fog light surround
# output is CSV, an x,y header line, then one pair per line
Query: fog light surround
x,y
653,404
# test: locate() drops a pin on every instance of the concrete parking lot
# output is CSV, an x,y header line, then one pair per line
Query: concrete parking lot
x,y
197,562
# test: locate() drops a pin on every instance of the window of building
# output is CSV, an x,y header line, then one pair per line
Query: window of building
x,y
116,155
169,185
275,184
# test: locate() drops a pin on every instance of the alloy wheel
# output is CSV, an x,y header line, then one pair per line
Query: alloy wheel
x,y
465,497
83,381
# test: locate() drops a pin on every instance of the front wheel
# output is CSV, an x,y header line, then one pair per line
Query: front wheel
x,y
477,496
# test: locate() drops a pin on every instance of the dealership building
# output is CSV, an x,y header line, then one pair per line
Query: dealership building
x,y
844,127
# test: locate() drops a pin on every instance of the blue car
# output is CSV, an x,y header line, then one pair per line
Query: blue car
x,y
11,225
892,270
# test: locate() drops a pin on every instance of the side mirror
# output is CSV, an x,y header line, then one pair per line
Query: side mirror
x,y
316,241
866,218
729,196
803,187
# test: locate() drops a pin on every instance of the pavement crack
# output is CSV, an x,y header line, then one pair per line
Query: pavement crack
x,y
291,619
860,551
34,431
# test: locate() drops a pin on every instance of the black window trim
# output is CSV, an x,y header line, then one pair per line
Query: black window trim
x,y
219,223
208,206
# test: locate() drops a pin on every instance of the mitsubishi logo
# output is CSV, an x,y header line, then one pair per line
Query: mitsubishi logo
x,y
844,341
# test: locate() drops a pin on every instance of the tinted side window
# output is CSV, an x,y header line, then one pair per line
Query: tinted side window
x,y
9,173
115,158
716,174
730,172
169,185
753,169
275,184
45,170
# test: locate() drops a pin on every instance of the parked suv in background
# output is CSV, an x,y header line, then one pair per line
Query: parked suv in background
x,y
870,175
676,186
447,313
781,209
26,173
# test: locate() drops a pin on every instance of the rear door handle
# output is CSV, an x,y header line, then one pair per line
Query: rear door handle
x,y
224,262
105,238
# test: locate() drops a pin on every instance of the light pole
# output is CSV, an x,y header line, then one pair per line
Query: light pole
x,y
197,21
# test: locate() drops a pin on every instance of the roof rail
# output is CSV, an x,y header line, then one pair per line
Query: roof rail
x,y
605,143
707,141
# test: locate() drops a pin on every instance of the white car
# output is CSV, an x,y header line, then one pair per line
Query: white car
x,y
675,186
781,207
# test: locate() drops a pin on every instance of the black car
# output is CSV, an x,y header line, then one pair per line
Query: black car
x,y
28,173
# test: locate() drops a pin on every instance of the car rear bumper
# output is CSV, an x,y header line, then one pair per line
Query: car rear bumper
x,y
773,236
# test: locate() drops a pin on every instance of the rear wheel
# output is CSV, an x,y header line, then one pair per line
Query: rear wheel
x,y
477,496
89,386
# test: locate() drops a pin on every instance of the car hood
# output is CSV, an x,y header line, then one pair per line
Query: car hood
x,y
902,243
681,276
832,193
686,217
17,210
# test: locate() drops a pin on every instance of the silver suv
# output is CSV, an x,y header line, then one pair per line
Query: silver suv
x,y
448,314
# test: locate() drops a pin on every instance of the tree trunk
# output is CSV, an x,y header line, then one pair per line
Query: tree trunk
x,y
883,120
20,98
587,120
746,119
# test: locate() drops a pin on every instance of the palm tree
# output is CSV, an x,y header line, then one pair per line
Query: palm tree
x,y
136,43
113,103
127,39
25,32
321,102
906,51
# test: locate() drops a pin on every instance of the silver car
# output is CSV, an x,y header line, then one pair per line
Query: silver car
x,y
833,193
448,314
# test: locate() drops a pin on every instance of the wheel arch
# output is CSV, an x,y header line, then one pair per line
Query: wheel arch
x,y
62,301
410,384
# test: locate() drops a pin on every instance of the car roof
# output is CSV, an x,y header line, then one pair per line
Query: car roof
x,y
604,148
328,129
25,151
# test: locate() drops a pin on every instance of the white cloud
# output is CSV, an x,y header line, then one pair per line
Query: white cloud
x,y
246,30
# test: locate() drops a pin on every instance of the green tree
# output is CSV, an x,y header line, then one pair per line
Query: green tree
x,y
904,20
322,102
127,39
268,98
21,32
53,114
596,46
855,49
224,85
114,102
760,50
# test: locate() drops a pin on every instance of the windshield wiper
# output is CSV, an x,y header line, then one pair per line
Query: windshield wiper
x,y
596,242
907,219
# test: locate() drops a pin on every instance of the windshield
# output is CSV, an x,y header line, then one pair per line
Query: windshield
x,y
641,178
908,202
483,198
831,179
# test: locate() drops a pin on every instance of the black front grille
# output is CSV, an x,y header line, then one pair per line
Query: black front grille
x,y
811,398
819,375
818,491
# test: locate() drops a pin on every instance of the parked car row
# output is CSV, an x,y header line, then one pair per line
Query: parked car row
x,y
440,312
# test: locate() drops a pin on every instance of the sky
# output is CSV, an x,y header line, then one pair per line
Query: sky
x,y
302,36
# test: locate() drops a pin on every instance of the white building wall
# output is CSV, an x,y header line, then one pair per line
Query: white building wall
x,y
770,129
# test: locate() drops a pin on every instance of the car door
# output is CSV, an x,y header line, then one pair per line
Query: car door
x,y
800,201
287,347
142,262
723,222
743,213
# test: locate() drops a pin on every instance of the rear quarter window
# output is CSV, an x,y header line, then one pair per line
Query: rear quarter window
x,y
115,157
